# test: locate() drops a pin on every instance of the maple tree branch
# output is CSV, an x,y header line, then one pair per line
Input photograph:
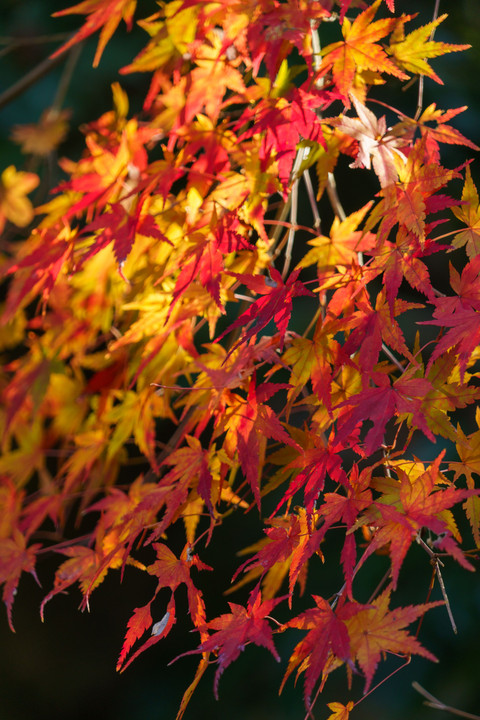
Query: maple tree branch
x,y
292,229
311,198
437,704
334,199
67,74
12,43
42,69
299,158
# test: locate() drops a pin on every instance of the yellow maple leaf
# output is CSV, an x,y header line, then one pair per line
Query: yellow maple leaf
x,y
42,137
340,711
14,205
411,52
469,214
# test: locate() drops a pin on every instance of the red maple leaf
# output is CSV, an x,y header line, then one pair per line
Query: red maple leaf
x,y
120,228
15,558
327,635
291,540
284,122
170,572
380,404
235,630
249,424
104,14
461,314
141,621
340,508
275,304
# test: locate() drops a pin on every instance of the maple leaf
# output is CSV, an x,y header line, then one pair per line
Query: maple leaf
x,y
235,630
460,314
14,205
83,566
469,214
398,262
406,201
339,710
327,635
411,52
190,469
359,50
442,133
170,572
340,508
288,546
380,404
209,82
316,462
248,424
343,245
119,228
405,509
39,270
468,449
15,558
45,136
141,621
377,145
105,14
205,261
374,629
372,327
284,122
275,304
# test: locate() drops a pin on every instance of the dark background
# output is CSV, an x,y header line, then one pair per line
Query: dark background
x,y
64,669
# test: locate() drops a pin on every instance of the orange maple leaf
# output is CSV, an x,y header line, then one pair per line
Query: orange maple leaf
x,y
105,14
374,629
359,51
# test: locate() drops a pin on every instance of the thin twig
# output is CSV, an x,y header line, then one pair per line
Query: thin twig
x,y
29,79
66,76
437,563
421,81
437,704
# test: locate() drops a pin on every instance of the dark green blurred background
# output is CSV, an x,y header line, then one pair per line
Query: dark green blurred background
x,y
64,669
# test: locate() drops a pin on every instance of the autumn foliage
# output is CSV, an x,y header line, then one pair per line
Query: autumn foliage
x,y
183,343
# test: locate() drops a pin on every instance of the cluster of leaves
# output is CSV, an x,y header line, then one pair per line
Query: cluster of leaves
x,y
156,290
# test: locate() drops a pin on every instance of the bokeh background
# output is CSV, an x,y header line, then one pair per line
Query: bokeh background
x,y
64,669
